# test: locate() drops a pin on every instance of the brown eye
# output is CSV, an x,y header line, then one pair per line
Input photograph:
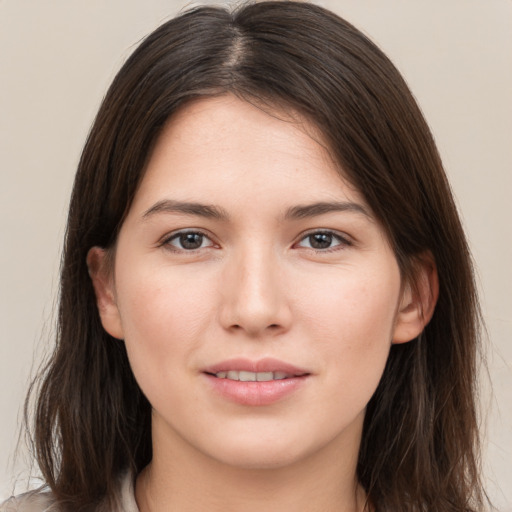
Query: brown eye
x,y
320,240
189,241
323,240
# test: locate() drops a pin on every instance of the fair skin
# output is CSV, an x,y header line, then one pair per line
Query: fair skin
x,y
243,242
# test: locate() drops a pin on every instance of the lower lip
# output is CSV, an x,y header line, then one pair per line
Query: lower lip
x,y
255,393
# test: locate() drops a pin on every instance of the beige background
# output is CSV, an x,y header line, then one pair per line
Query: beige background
x,y
57,58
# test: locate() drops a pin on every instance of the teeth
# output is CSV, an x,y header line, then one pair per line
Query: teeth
x,y
264,376
247,376
252,376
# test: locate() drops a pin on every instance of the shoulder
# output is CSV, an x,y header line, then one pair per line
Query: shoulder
x,y
43,500
34,501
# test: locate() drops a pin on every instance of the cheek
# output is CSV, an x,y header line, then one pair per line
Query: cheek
x,y
351,320
163,296
164,314
361,309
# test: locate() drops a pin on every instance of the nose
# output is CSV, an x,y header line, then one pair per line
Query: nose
x,y
255,295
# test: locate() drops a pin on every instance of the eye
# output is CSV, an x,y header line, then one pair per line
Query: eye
x,y
323,240
188,241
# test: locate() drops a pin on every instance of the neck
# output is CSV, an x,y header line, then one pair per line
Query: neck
x,y
185,481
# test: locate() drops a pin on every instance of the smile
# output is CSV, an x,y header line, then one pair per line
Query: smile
x,y
246,376
255,383
262,370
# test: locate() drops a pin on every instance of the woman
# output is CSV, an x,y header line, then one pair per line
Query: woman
x,y
266,294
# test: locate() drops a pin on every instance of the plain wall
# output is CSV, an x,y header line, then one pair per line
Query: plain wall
x,y
58,57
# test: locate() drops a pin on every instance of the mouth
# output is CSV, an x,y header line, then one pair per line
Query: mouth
x,y
261,370
245,376
261,382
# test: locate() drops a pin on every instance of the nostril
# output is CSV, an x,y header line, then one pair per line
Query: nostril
x,y
271,327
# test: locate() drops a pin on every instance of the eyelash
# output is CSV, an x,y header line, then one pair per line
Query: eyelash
x,y
166,242
342,241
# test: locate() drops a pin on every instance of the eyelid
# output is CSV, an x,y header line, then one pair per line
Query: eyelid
x,y
166,239
344,239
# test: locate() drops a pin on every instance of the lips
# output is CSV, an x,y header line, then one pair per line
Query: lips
x,y
261,382
245,376
267,365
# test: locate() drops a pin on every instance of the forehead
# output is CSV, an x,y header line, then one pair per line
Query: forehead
x,y
227,149
228,122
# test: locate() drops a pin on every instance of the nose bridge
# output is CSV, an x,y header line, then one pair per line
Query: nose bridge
x,y
255,292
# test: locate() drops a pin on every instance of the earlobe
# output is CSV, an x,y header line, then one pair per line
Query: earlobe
x,y
418,302
103,283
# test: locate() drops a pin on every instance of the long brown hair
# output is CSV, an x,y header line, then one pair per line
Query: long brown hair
x,y
419,444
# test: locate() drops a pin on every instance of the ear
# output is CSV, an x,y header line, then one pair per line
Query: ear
x,y
103,283
418,301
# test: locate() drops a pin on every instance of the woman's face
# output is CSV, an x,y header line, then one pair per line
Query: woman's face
x,y
246,256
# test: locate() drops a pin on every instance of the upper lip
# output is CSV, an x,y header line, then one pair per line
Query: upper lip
x,y
261,365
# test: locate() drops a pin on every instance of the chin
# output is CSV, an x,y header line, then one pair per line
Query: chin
x,y
260,450
258,458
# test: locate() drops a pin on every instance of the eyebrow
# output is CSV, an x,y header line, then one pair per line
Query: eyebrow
x,y
188,208
316,209
215,212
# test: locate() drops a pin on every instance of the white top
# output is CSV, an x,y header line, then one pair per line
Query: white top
x,y
40,501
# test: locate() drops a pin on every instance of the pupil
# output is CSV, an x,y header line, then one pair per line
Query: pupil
x,y
191,240
320,240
